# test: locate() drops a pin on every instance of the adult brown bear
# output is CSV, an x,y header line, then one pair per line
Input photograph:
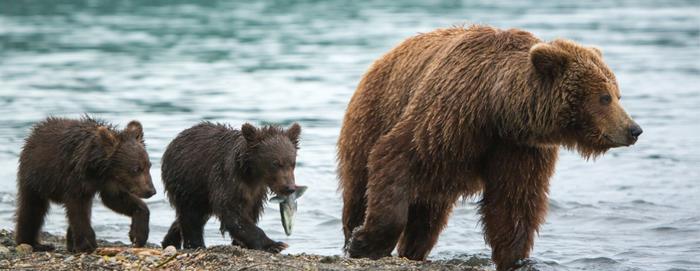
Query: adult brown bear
x,y
459,111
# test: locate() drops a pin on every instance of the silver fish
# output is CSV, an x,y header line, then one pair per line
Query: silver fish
x,y
288,207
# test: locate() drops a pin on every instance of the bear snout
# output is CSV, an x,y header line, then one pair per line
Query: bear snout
x,y
628,136
290,188
635,131
148,193
284,189
147,189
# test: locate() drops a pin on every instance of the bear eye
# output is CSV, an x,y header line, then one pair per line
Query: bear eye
x,y
605,99
135,169
276,164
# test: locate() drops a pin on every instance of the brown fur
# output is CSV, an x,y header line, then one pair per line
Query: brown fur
x,y
69,161
214,169
458,111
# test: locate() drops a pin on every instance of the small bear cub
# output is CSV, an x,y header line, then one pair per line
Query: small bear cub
x,y
215,169
68,161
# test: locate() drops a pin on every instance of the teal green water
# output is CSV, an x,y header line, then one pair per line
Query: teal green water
x,y
171,64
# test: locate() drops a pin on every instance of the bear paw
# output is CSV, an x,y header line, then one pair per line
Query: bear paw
x,y
85,242
138,233
237,243
84,245
362,246
43,247
275,247
138,238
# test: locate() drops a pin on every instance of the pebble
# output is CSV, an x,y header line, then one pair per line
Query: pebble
x,y
151,259
329,259
128,256
4,250
23,249
169,251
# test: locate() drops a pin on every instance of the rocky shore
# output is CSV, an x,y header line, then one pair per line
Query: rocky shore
x,y
120,256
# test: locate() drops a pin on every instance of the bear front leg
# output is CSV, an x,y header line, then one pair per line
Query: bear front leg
x,y
83,236
130,205
515,200
246,232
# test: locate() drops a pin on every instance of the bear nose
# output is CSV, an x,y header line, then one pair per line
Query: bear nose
x,y
635,130
149,193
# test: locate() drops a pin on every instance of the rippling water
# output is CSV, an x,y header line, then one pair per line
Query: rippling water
x,y
171,64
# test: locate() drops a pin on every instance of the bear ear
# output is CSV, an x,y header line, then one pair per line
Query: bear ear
x,y
293,133
249,132
596,50
107,139
550,61
135,130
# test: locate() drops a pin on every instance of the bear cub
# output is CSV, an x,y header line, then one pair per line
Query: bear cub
x,y
215,169
68,161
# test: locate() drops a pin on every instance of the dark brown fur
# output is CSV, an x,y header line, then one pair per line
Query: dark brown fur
x,y
69,161
454,112
214,169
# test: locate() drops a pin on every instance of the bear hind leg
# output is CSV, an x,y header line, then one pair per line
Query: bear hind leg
x,y
383,225
354,207
352,174
173,237
425,222
69,239
387,203
192,227
78,212
31,211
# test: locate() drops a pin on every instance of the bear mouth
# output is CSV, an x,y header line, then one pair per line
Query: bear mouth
x,y
613,143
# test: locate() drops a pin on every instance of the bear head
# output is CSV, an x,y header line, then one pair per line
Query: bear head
x,y
128,166
271,155
590,118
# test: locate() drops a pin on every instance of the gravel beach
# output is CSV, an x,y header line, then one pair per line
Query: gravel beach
x,y
120,256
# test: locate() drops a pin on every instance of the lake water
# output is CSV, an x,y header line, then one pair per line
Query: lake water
x,y
171,64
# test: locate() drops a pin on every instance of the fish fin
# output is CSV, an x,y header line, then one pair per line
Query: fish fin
x,y
300,191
